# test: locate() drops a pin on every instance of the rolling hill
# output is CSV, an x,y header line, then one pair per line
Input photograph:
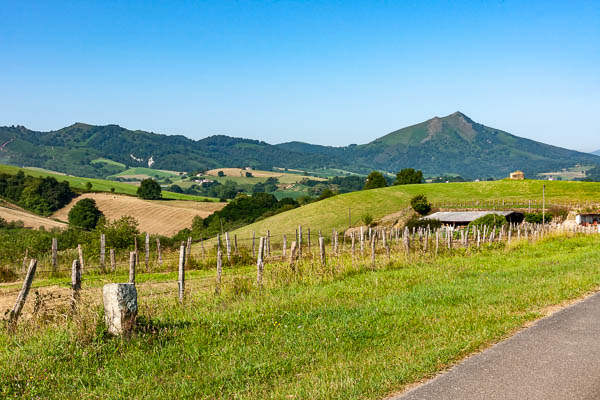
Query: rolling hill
x,y
162,217
454,144
332,213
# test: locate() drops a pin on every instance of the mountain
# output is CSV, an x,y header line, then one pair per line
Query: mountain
x,y
454,144
597,152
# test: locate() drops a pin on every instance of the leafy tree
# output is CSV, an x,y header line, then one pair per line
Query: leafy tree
x,y
248,174
490,220
375,180
85,214
326,194
88,185
420,204
120,233
149,190
220,174
408,176
538,218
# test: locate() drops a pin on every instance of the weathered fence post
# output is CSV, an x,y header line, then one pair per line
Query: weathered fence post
x,y
283,250
259,261
75,284
235,246
353,243
54,255
147,251
322,251
373,251
113,262
103,252
308,240
362,239
228,246
80,252
300,241
181,278
18,308
159,252
268,243
219,271
293,254
132,261
188,250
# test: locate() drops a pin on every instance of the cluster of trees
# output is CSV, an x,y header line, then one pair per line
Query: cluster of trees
x,y
41,195
241,211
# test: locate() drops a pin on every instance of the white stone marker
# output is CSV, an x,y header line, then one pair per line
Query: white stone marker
x,y
120,307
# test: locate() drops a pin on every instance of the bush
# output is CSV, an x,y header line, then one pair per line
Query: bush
x,y
85,214
416,223
537,218
490,220
367,219
420,204
149,190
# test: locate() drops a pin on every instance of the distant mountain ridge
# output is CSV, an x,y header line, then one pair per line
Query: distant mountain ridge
x,y
454,144
597,152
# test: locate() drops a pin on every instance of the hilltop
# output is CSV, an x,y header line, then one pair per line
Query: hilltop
x,y
454,144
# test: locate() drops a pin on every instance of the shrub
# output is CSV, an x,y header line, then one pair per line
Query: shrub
x,y
420,204
85,214
367,219
490,220
415,223
149,190
538,218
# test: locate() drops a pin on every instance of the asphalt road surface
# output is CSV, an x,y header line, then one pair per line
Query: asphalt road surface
x,y
558,358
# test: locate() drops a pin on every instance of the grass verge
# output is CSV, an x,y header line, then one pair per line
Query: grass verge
x,y
363,334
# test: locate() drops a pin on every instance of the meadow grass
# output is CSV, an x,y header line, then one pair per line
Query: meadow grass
x,y
333,213
345,331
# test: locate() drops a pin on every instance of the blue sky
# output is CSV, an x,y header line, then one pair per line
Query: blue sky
x,y
326,72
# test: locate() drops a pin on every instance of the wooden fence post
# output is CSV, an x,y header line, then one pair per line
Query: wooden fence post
x,y
54,255
259,261
228,246
75,284
308,240
235,246
132,261
80,252
159,252
322,251
283,250
147,251
268,243
188,250
353,243
103,252
181,280
219,271
16,311
113,262
293,254
300,241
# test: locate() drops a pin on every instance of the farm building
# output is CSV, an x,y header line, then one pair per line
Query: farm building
x,y
587,219
517,176
464,218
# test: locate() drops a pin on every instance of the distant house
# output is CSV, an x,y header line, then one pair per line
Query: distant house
x,y
464,218
587,219
517,176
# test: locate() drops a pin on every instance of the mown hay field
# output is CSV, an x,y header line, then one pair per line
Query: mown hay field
x,y
162,217
29,220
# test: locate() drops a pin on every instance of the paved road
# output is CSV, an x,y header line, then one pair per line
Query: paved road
x,y
558,358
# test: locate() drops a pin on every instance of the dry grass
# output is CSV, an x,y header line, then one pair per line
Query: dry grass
x,y
163,217
29,220
282,176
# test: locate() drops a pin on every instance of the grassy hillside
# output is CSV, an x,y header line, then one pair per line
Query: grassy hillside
x,y
99,185
143,172
332,213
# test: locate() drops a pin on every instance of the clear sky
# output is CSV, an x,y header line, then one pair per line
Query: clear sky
x,y
326,72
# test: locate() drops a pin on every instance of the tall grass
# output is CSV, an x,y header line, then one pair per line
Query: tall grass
x,y
347,330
